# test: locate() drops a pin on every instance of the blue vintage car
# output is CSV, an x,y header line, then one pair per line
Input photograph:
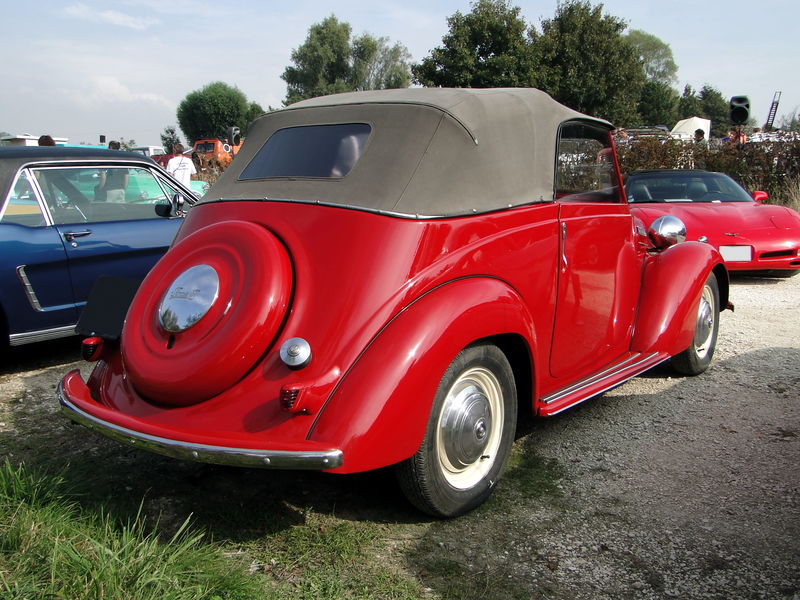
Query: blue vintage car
x,y
67,216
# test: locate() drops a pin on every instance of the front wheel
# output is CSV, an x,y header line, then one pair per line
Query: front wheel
x,y
696,358
469,435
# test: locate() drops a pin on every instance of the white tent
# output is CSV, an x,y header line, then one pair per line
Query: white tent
x,y
684,129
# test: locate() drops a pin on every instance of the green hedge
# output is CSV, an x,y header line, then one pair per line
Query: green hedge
x,y
773,167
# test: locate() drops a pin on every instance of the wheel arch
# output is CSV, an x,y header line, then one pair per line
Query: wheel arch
x,y
672,283
519,355
378,414
723,284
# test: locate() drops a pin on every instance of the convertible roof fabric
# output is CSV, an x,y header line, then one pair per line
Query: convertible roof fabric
x,y
431,152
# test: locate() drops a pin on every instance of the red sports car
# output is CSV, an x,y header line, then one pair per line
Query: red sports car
x,y
752,237
386,278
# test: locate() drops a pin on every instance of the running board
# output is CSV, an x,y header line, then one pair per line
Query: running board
x,y
598,383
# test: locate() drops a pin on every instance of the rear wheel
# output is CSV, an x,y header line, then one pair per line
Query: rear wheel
x,y
696,358
469,435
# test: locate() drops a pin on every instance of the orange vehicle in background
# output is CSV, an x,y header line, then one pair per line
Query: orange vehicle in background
x,y
214,151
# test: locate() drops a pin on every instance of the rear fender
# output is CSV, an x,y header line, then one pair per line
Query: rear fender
x,y
673,282
379,412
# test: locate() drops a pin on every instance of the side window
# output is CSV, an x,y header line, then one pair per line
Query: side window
x,y
171,191
21,206
585,169
98,194
143,187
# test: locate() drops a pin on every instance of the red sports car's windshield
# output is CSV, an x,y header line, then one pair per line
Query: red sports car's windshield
x,y
683,186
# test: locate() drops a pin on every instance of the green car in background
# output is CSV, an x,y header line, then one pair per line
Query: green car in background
x,y
140,186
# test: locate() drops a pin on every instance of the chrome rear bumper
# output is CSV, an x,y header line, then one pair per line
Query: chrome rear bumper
x,y
220,455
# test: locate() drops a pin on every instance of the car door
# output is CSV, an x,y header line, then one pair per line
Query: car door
x,y
599,263
35,287
106,217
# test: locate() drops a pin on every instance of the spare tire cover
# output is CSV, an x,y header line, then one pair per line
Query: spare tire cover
x,y
206,313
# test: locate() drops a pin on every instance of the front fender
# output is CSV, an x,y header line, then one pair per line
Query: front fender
x,y
379,412
672,283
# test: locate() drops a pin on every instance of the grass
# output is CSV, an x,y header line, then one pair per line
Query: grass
x,y
792,186
56,544
83,517
326,557
49,548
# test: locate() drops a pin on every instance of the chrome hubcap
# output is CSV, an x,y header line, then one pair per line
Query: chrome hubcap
x,y
704,329
469,430
189,298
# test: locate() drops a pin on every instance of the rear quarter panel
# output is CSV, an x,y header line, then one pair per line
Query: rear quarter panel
x,y
378,413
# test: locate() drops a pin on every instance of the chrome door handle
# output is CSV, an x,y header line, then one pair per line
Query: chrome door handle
x,y
71,235
564,263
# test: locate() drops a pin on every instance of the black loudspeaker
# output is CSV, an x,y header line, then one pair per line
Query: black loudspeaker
x,y
740,110
234,135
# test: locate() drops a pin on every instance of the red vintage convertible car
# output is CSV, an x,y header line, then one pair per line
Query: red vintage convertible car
x,y
387,278
754,238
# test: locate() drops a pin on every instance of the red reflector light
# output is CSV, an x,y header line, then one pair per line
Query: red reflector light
x,y
92,349
289,397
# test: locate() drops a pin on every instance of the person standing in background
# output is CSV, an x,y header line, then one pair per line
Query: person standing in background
x,y
181,167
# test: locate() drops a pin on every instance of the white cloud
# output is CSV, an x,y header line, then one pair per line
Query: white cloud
x,y
109,17
108,90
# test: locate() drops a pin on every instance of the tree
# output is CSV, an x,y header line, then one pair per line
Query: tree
x,y
584,61
254,111
328,63
209,112
689,104
709,104
790,122
322,63
658,104
127,145
377,66
169,138
485,48
715,107
656,56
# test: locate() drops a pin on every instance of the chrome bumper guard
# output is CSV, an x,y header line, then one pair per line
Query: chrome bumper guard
x,y
220,455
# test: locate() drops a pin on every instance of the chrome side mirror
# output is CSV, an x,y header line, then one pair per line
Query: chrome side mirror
x,y
666,231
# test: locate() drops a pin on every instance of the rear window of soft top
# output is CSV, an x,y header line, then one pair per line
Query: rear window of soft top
x,y
314,151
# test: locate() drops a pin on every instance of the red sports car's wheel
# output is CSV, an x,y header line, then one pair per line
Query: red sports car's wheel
x,y
206,313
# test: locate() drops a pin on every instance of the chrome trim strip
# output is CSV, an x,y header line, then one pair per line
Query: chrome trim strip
x,y
632,361
30,294
220,455
377,211
29,337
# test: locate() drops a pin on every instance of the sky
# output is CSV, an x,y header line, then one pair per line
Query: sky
x,y
82,68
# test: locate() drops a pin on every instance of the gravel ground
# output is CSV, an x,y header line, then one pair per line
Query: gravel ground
x,y
669,487
665,487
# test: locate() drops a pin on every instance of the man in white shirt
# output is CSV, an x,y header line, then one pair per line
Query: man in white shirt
x,y
181,167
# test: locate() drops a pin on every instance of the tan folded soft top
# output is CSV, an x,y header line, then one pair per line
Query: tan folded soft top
x,y
431,151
